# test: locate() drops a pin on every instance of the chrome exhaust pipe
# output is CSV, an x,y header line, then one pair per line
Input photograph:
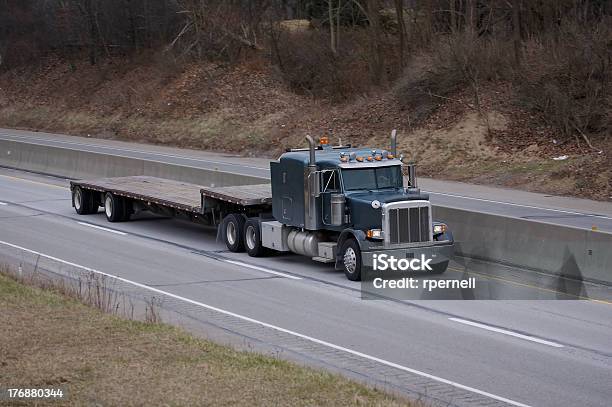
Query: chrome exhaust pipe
x,y
311,146
311,188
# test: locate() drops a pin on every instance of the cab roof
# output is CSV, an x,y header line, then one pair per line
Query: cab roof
x,y
330,157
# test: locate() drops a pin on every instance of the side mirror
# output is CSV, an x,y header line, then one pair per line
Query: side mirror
x,y
412,180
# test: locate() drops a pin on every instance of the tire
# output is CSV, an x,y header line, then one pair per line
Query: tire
x,y
252,238
83,201
233,232
351,259
114,208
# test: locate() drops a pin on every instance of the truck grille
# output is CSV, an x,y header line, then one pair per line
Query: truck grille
x,y
409,225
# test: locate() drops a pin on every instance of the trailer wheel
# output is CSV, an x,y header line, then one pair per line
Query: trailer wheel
x,y
114,208
351,259
252,238
233,232
83,201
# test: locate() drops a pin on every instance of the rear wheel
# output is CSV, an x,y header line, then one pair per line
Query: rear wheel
x,y
233,232
83,201
252,238
114,208
351,259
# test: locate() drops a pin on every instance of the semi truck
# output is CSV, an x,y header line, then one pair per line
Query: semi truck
x,y
335,204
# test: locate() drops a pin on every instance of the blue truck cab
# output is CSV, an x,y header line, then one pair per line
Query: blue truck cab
x,y
343,205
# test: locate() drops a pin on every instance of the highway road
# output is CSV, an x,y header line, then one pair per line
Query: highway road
x,y
521,353
580,213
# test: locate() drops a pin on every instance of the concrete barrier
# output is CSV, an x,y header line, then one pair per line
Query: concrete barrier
x,y
77,164
563,251
557,250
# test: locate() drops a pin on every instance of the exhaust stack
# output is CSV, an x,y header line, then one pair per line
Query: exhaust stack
x,y
311,146
312,186
394,142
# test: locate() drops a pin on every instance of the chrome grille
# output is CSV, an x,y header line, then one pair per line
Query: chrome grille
x,y
410,224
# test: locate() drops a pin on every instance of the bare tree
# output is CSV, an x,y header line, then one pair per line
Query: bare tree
x,y
376,60
516,31
470,16
453,17
332,31
401,29
89,11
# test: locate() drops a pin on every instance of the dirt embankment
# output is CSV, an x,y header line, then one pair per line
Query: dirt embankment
x,y
245,109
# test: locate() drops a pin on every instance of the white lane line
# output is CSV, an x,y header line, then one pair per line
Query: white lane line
x,y
506,332
167,155
590,215
241,264
32,182
279,329
3,203
102,228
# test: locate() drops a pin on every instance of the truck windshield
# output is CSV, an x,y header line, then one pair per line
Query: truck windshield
x,y
372,178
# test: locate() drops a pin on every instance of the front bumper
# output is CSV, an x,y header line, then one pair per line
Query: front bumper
x,y
440,254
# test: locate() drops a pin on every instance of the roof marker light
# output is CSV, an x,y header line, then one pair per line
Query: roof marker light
x,y
359,158
369,158
324,140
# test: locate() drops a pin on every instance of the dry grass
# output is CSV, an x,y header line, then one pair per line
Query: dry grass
x,y
49,340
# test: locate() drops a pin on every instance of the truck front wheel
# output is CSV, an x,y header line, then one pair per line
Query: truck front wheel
x,y
233,232
351,259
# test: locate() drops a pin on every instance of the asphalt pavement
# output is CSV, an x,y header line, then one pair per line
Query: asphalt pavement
x,y
535,353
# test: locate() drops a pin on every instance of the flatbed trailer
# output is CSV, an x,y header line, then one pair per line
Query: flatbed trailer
x,y
342,207
123,196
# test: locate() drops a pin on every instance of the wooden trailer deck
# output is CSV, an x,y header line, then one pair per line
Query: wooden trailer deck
x,y
244,195
175,194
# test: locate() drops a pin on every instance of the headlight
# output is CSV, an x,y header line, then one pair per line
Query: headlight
x,y
375,234
375,204
439,228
